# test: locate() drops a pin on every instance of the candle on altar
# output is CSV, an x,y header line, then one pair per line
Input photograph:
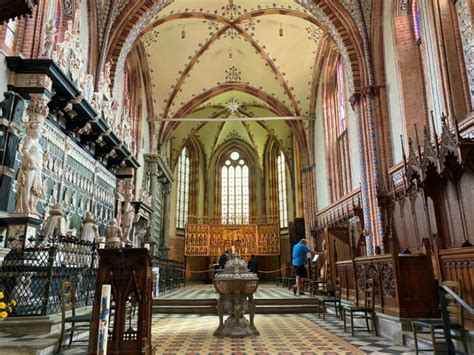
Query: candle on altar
x,y
233,249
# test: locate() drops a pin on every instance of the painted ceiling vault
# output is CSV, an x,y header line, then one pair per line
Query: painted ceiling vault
x,y
231,59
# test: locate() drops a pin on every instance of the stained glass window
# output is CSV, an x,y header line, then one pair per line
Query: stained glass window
x,y
10,34
341,97
416,20
235,190
343,139
282,195
183,190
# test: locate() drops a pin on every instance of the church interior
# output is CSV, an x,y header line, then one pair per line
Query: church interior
x,y
164,163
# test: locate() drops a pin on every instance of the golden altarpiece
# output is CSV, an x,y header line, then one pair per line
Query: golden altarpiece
x,y
210,237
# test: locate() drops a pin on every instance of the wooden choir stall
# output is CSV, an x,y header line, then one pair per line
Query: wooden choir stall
x,y
429,236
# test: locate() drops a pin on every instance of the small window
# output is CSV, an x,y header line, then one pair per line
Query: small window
x,y
341,97
416,20
282,194
183,190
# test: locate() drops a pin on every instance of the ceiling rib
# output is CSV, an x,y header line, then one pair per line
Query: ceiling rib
x,y
233,119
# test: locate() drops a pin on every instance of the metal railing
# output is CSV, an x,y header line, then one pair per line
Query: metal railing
x,y
33,276
443,291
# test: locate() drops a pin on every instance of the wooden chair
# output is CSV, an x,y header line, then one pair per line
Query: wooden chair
x,y
323,301
365,312
435,327
68,303
319,284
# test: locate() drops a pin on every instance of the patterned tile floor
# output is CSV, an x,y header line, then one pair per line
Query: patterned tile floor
x,y
203,291
280,334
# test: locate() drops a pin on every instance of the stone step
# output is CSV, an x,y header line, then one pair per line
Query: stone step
x,y
279,309
286,301
185,309
213,301
184,302
211,309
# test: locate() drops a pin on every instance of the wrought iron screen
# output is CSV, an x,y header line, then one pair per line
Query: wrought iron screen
x,y
33,276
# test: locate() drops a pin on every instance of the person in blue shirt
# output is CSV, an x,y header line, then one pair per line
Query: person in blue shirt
x,y
300,252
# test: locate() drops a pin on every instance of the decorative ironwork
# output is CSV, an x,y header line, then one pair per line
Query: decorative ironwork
x,y
33,276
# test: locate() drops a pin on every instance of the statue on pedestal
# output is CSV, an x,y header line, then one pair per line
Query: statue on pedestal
x,y
90,230
49,39
113,234
128,214
30,183
55,224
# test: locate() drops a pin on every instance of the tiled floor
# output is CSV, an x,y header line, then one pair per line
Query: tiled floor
x,y
203,291
280,334
287,331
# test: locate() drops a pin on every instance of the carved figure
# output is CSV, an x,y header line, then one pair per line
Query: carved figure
x,y
113,234
88,87
90,230
55,224
49,39
30,183
128,214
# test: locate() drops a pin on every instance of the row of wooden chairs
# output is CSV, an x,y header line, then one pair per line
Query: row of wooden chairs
x,y
345,309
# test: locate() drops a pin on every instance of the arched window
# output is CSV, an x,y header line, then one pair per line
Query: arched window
x,y
235,190
342,135
10,33
282,196
183,190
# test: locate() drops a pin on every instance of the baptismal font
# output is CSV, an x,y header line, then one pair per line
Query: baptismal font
x,y
236,286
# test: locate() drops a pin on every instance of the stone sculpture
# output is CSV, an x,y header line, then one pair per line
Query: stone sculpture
x,y
90,230
55,224
113,234
30,183
128,214
49,39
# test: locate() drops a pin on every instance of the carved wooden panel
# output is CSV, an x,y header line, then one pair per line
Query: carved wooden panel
x,y
458,264
128,271
213,240
404,285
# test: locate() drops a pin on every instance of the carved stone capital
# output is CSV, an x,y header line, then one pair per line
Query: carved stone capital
x,y
38,109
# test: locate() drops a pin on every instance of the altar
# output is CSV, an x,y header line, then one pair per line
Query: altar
x,y
212,239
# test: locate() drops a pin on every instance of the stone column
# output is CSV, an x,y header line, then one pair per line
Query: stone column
x,y
363,106
164,246
151,171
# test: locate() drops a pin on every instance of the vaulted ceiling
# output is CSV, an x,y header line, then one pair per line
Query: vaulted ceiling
x,y
235,59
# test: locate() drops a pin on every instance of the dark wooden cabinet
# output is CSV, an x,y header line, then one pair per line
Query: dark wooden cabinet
x,y
128,271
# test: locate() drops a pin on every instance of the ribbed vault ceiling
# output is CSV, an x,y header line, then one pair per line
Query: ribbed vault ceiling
x,y
240,58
